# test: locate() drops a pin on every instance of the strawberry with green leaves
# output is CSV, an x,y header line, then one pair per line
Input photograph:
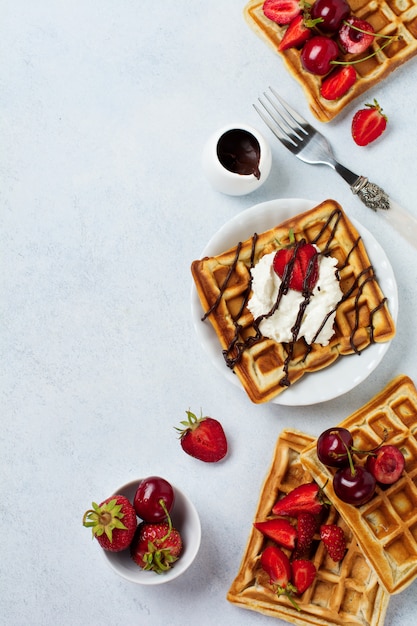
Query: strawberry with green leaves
x,y
113,523
203,438
277,566
156,546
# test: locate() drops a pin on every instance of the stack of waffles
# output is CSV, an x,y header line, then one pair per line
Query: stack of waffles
x,y
381,556
265,367
396,17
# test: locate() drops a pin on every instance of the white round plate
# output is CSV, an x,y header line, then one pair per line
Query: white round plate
x,y
348,371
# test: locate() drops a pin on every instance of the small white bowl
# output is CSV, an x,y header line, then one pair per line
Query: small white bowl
x,y
230,182
184,518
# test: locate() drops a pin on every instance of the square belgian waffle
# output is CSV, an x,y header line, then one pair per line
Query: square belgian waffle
x,y
265,367
386,526
347,592
394,17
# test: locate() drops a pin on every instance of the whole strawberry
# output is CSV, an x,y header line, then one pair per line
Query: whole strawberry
x,y
368,124
203,438
156,546
334,539
113,523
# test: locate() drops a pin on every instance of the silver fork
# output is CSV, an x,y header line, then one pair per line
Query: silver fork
x,y
310,146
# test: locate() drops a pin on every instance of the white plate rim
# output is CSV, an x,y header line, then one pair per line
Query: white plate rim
x,y
348,371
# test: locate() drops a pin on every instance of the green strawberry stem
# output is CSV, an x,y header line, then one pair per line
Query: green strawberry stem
x,y
287,591
104,519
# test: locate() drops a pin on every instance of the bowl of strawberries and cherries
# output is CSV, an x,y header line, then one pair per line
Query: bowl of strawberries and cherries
x,y
149,530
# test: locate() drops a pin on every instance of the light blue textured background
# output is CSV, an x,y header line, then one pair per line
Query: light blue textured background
x,y
105,109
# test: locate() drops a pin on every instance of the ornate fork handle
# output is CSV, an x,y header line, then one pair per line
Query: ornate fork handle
x,y
371,195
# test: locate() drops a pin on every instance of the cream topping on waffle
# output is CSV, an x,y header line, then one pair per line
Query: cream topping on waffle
x,y
317,316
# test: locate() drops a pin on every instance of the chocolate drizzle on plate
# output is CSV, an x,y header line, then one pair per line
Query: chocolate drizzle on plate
x,y
238,345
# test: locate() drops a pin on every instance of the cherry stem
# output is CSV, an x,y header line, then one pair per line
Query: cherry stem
x,y
374,34
163,505
352,467
353,62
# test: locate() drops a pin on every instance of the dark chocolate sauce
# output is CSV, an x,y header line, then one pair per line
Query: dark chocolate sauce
x,y
236,348
239,152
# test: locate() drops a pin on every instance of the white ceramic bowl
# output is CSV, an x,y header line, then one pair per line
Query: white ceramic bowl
x,y
226,181
185,518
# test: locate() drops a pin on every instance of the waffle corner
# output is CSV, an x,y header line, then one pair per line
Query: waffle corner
x,y
388,18
386,526
345,592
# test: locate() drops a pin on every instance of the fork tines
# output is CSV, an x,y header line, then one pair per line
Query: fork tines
x,y
286,124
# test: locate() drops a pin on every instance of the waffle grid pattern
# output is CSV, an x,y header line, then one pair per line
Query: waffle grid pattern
x,y
343,593
362,317
394,17
386,526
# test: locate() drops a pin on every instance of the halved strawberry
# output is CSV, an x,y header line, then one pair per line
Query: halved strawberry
x,y
368,124
281,11
279,530
296,34
203,438
334,539
338,82
306,529
303,574
277,565
306,497
298,266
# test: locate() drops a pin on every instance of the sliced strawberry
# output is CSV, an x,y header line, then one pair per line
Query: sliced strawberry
x,y
368,124
277,565
306,497
279,530
334,539
281,11
203,438
298,266
296,34
338,82
303,574
356,35
306,529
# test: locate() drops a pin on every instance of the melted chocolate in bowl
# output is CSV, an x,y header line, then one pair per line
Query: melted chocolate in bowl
x,y
239,152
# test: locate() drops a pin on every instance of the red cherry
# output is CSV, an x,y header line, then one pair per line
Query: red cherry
x,y
332,13
354,41
355,486
318,53
333,445
148,496
386,465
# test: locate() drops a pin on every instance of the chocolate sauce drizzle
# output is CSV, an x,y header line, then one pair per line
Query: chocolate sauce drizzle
x,y
237,346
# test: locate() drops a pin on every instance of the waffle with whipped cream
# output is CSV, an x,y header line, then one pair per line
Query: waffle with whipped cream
x,y
388,18
347,592
386,526
265,367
